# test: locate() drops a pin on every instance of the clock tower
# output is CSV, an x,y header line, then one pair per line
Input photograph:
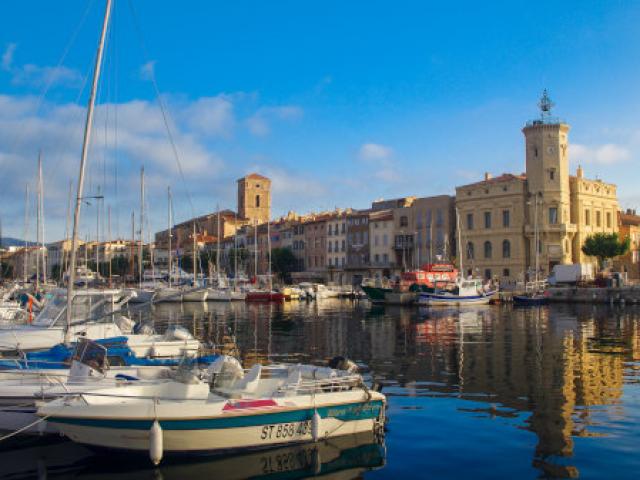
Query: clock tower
x,y
548,202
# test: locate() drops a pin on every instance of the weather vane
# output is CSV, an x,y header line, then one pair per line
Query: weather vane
x,y
545,104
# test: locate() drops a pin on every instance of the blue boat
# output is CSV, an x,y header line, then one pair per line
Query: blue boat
x,y
533,300
118,354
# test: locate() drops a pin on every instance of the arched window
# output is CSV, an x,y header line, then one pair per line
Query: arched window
x,y
487,249
470,253
506,249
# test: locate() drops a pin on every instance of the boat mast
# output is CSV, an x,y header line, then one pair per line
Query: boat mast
x,y
141,245
39,221
195,265
460,252
25,257
269,252
218,246
169,229
109,240
65,258
536,240
255,251
83,161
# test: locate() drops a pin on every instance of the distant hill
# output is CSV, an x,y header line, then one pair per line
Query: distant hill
x,y
14,242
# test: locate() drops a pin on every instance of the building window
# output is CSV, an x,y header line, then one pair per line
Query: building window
x,y
587,217
257,201
487,274
329,247
608,219
404,221
487,249
385,240
376,258
439,219
506,272
506,249
553,216
385,258
506,218
343,245
470,252
487,219
469,221
375,240
552,174
598,218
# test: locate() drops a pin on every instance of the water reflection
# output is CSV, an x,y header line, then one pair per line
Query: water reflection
x,y
556,387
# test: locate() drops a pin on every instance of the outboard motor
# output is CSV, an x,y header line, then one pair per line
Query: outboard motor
x,y
343,363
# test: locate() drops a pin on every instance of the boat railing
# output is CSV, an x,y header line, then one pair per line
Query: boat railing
x,y
325,385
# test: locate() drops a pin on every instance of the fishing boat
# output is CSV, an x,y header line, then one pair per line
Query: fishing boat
x,y
231,410
466,292
376,294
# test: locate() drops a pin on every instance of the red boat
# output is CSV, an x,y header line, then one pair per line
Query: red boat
x,y
264,296
428,275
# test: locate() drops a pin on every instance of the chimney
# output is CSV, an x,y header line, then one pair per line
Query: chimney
x,y
487,176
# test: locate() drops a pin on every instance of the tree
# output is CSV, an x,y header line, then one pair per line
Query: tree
x,y
605,246
283,262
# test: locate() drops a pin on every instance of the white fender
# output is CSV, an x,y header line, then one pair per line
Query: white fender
x,y
155,443
315,426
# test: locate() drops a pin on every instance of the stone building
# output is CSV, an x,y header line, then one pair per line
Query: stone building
x,y
358,258
629,225
501,217
337,246
381,238
254,198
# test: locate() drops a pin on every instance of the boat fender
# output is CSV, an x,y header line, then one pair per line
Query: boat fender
x,y
315,426
317,461
155,443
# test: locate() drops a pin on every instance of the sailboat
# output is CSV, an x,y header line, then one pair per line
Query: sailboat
x,y
145,292
89,313
269,294
221,292
535,297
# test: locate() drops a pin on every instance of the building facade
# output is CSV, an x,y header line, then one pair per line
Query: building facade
x,y
504,220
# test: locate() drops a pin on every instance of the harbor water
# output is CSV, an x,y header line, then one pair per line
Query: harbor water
x,y
483,392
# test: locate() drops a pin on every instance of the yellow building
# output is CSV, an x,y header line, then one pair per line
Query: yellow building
x,y
500,218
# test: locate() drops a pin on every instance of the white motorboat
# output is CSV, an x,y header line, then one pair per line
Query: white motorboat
x,y
230,410
168,294
95,315
466,292
224,295
195,294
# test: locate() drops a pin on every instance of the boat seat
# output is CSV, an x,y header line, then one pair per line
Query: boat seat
x,y
250,382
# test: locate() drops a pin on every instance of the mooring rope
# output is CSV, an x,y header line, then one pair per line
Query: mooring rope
x,y
26,427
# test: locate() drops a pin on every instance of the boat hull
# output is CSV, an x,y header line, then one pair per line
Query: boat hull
x,y
376,294
265,297
526,301
223,433
452,300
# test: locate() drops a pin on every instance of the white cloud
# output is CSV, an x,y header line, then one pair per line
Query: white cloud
x,y
375,152
212,115
380,159
147,70
7,57
606,154
259,123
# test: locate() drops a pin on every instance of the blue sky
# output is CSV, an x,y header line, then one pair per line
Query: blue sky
x,y
340,102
